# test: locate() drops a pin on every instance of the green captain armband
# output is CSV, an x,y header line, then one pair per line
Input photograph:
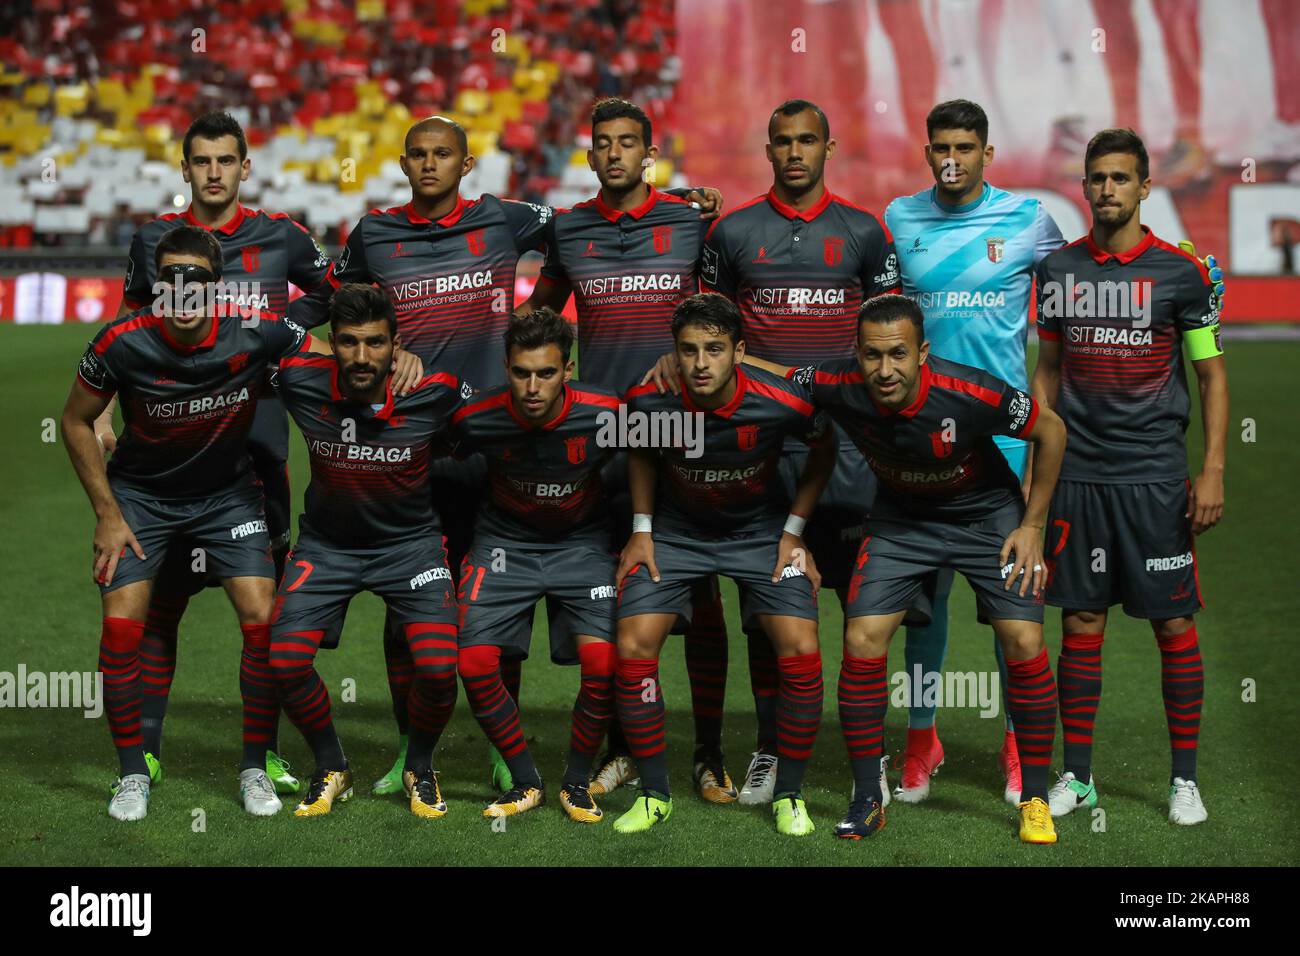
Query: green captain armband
x,y
1203,343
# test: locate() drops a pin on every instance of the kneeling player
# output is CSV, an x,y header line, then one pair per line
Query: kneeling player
x,y
947,499
543,533
189,380
714,505
369,526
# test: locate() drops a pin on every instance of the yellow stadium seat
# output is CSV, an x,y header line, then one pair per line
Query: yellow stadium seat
x,y
508,104
369,11
578,158
663,173
110,94
473,102
491,122
36,94
482,142
71,100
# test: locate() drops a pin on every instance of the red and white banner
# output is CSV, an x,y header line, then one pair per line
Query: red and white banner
x,y
1213,88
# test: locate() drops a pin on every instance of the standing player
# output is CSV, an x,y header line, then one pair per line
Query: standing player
x,y
543,532
967,252
189,381
262,254
1115,309
714,509
448,265
798,261
947,499
369,526
629,256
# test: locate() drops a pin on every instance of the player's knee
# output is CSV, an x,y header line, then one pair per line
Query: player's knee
x,y
1020,640
479,660
1082,622
1171,627
864,637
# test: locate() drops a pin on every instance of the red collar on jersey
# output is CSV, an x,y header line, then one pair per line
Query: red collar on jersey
x,y
241,213
613,215
916,403
807,215
176,345
336,394
448,220
1128,255
726,411
529,426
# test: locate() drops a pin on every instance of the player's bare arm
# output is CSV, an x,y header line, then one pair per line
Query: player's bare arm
x,y
112,535
1205,503
640,548
1026,542
765,365
548,293
792,549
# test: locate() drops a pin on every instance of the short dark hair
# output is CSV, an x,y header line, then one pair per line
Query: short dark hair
x,y
214,125
356,303
538,329
958,114
190,241
892,307
710,311
1119,141
613,108
438,122
794,108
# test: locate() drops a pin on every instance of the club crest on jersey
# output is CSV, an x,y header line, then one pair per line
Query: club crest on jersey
x,y
663,239
251,256
576,449
746,437
941,445
237,362
996,247
833,250
476,242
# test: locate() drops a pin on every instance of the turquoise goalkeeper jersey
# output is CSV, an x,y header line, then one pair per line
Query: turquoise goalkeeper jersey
x,y
971,269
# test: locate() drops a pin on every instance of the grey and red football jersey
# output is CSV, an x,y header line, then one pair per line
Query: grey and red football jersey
x,y
369,467
452,282
261,247
936,458
544,484
187,409
733,486
628,270
1121,319
799,277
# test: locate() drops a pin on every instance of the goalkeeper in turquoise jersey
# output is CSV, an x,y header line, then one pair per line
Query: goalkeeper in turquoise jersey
x,y
967,253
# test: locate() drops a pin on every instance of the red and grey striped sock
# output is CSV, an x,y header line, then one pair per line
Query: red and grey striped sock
x,y
1182,684
863,698
640,700
1031,698
1078,670
798,714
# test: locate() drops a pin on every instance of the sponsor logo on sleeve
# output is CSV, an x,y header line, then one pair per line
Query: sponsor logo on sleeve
x,y
709,264
92,369
1019,410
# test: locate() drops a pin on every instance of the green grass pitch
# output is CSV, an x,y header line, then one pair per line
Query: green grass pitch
x,y
57,764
